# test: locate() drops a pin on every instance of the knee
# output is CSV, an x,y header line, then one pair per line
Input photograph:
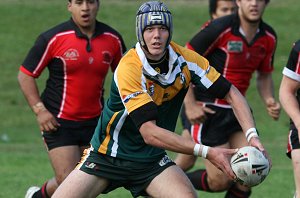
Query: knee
x,y
219,183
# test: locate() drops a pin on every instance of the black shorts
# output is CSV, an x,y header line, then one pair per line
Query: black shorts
x,y
217,128
134,176
67,136
293,140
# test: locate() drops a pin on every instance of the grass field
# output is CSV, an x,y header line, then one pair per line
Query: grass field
x,y
23,159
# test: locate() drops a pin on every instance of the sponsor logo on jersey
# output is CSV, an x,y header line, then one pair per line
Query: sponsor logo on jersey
x,y
91,60
166,95
90,165
235,46
130,96
71,54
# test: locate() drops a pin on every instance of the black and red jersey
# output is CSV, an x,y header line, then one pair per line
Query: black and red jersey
x,y
77,68
292,69
223,43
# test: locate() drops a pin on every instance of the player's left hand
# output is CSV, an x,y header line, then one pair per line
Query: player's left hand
x,y
220,158
273,108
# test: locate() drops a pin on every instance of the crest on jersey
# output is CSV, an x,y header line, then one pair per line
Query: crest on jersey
x,y
71,54
151,88
235,46
106,57
182,79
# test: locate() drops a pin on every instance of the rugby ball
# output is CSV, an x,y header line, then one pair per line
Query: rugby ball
x,y
250,166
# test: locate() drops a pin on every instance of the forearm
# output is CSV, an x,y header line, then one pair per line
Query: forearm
x,y
265,87
287,97
240,108
29,89
162,138
291,107
189,99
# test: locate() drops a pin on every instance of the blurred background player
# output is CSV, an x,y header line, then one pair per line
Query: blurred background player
x,y
289,95
136,127
217,8
237,45
78,54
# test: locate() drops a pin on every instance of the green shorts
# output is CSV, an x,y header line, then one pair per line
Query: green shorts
x,y
134,176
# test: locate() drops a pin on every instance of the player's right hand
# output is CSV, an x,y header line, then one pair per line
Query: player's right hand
x,y
197,113
47,121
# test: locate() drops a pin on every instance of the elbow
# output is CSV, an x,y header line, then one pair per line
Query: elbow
x,y
146,131
148,139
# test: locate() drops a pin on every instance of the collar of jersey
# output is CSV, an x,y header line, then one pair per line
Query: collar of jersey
x,y
147,67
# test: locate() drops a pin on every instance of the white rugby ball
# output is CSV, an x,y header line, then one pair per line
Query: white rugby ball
x,y
250,166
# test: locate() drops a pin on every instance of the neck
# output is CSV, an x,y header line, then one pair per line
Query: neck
x,y
88,31
152,57
249,28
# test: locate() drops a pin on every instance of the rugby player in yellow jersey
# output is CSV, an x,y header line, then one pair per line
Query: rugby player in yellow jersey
x,y
136,127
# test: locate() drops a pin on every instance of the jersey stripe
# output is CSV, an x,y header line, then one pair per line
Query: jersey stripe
x,y
116,134
103,146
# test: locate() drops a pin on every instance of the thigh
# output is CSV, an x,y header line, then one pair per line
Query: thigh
x,y
217,180
80,184
173,183
238,140
296,165
64,160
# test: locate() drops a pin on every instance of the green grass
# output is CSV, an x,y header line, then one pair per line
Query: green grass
x,y
23,159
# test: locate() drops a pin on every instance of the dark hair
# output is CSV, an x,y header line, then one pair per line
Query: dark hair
x,y
213,6
71,0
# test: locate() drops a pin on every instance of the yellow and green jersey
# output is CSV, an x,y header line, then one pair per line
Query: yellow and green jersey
x,y
135,84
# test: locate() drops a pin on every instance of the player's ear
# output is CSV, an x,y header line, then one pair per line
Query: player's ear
x,y
69,5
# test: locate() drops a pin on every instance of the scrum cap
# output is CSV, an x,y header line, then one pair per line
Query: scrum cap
x,y
153,13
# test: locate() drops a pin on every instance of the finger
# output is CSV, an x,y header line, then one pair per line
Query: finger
x,y
229,172
51,127
46,127
232,151
208,110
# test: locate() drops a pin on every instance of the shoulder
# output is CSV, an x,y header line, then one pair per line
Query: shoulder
x,y
183,51
60,28
189,55
130,62
268,29
223,23
104,28
296,46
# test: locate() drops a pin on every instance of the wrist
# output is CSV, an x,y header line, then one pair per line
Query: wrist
x,y
200,150
38,107
250,133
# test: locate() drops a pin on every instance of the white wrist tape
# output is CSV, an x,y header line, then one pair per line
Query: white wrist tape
x,y
197,149
200,148
250,133
204,151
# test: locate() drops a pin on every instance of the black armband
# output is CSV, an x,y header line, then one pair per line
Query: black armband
x,y
220,88
144,113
